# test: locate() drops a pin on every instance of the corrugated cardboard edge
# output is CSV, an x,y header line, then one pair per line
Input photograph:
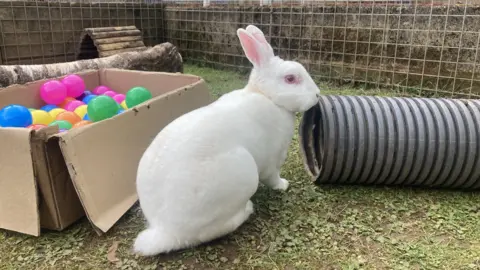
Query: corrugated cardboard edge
x,y
47,206
102,222
67,205
18,189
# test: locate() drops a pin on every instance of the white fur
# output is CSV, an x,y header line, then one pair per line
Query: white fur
x,y
195,180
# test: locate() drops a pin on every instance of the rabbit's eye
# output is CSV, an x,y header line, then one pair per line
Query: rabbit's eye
x,y
290,79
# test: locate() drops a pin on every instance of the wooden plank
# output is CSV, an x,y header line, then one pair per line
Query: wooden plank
x,y
120,45
116,34
110,29
109,53
117,39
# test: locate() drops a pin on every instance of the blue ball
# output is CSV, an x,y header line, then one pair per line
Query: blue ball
x,y
120,111
15,116
48,107
87,92
88,98
85,117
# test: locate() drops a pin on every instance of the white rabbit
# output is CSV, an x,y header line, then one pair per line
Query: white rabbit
x,y
195,180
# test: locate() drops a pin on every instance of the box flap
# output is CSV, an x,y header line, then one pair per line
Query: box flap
x,y
18,191
102,158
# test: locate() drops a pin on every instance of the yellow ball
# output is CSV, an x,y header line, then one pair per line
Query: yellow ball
x,y
81,111
41,117
124,105
55,112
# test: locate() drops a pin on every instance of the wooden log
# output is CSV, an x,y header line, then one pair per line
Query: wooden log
x,y
163,57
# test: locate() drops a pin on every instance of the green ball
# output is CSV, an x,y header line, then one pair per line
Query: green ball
x,y
62,124
101,107
137,95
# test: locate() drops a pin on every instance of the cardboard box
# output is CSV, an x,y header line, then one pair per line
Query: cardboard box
x,y
50,180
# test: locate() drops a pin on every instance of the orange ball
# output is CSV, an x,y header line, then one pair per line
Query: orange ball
x,y
82,123
65,101
68,116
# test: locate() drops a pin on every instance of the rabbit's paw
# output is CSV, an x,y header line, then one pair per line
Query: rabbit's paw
x,y
282,184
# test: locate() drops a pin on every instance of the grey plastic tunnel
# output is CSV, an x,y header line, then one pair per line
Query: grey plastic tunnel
x,y
429,142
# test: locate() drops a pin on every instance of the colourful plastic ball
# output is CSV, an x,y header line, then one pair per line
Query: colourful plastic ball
x,y
101,108
119,98
41,117
99,90
62,124
65,102
86,117
88,98
48,107
110,93
36,126
74,84
53,92
84,94
120,111
81,110
137,95
123,104
71,117
82,123
15,116
72,105
55,112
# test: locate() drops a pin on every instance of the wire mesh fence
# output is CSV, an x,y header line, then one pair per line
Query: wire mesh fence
x,y
424,47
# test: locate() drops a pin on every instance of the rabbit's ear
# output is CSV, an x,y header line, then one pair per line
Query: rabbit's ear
x,y
260,37
252,48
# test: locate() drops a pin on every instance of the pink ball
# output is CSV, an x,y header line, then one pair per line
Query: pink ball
x,y
119,98
53,92
99,90
110,93
75,85
72,105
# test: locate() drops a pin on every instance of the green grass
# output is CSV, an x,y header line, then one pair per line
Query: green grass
x,y
308,227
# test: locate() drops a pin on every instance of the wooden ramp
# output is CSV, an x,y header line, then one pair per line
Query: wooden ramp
x,y
107,41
